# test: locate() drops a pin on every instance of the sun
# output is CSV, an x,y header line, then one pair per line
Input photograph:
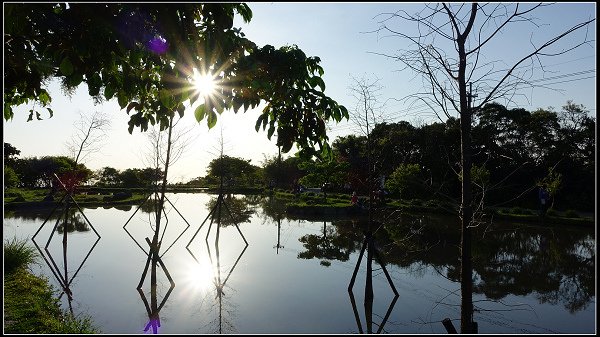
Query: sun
x,y
204,84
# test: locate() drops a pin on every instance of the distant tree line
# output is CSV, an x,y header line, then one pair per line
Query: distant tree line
x,y
516,152
38,172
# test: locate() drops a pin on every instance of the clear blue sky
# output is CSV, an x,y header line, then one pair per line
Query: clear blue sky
x,y
337,33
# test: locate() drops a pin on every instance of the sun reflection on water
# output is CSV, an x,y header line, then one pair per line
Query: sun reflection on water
x,y
199,276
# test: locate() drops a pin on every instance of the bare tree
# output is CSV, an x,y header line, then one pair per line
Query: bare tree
x,y
89,136
368,109
155,155
448,52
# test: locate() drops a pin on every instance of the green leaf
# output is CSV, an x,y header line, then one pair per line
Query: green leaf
x,y
237,104
259,122
219,107
109,91
132,105
317,81
75,79
44,97
66,67
200,112
8,113
326,152
51,112
344,111
166,98
151,119
271,131
38,116
122,99
185,95
212,119
180,110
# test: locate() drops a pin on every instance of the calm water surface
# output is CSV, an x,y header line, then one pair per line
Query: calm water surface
x,y
293,275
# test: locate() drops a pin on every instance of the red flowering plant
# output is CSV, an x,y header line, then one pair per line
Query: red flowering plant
x,y
70,180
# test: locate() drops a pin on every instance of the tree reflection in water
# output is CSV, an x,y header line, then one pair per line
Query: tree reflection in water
x,y
237,209
238,212
154,206
508,260
70,220
272,209
153,309
326,247
372,252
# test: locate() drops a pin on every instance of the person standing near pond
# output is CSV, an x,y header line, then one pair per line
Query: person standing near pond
x,y
354,199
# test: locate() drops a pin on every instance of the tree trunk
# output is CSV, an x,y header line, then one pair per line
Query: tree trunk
x,y
466,274
466,210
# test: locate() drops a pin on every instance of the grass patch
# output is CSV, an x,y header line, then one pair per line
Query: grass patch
x,y
17,254
30,303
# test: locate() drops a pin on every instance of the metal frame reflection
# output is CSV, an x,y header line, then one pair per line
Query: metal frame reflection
x,y
219,285
278,245
369,246
217,206
154,258
63,279
153,309
155,193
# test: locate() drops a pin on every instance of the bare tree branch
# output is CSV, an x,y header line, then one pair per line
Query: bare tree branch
x,y
89,136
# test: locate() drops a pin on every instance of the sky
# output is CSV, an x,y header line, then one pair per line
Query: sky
x,y
343,36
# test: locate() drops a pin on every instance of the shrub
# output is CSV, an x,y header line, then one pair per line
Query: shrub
x,y
516,210
571,214
17,254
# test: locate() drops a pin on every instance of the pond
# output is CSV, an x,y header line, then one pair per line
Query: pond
x,y
261,272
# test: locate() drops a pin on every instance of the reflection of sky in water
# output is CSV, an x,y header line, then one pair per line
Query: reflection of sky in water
x,y
266,292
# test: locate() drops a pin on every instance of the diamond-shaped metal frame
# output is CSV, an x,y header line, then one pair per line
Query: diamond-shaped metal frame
x,y
164,229
63,280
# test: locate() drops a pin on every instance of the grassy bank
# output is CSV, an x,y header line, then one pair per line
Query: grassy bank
x,y
30,302
310,204
17,198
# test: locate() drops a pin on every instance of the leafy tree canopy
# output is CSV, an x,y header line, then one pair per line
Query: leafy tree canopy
x,y
144,55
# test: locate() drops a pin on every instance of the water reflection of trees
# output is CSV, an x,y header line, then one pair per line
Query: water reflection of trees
x,y
153,308
225,307
329,245
236,210
271,209
154,206
554,265
557,268
509,259
74,219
